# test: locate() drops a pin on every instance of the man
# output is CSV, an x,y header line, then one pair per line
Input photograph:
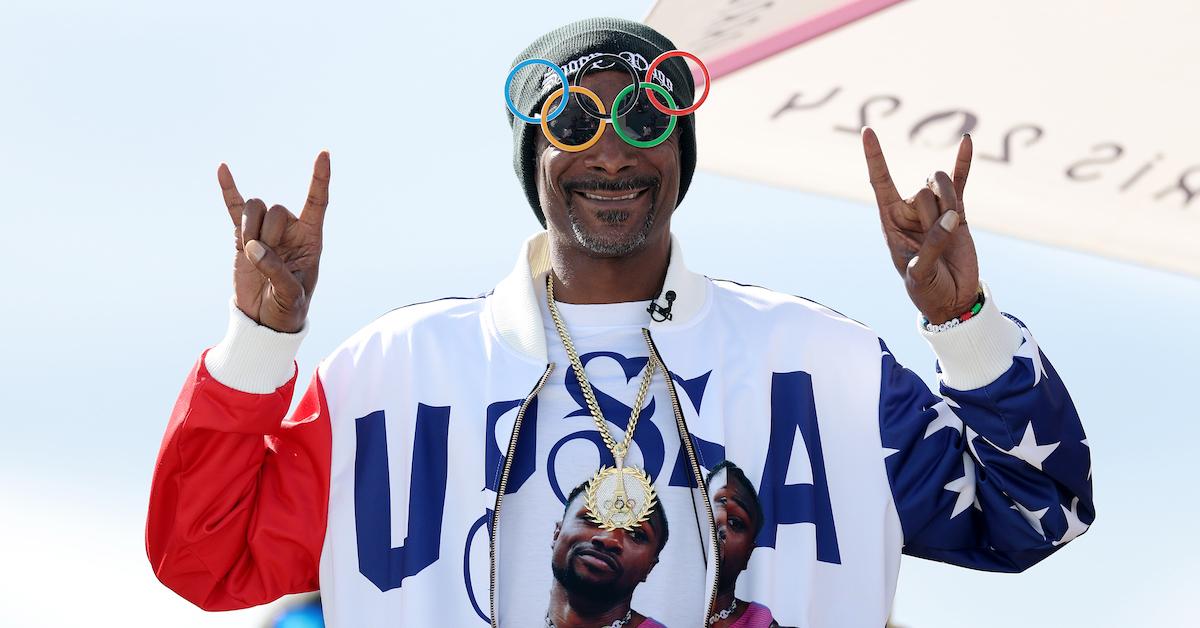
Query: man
x,y
596,570
739,518
444,432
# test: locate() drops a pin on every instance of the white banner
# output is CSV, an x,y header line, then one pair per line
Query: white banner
x,y
1083,114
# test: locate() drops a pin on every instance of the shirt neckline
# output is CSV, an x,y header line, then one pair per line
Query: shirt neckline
x,y
596,315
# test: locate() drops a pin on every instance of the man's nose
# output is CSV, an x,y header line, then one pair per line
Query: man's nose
x,y
608,540
720,521
611,156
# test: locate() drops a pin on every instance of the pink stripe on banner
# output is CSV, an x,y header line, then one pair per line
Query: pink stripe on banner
x,y
793,35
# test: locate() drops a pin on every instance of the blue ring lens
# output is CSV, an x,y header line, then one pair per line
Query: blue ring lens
x,y
562,76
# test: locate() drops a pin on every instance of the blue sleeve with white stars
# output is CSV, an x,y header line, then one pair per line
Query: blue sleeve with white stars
x,y
996,478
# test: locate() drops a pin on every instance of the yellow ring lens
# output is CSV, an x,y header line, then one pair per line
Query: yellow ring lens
x,y
550,136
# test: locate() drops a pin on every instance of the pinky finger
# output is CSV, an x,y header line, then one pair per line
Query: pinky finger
x,y
962,166
272,267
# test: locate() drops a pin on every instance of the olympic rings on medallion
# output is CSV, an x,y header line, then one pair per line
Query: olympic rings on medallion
x,y
629,69
577,89
670,125
562,76
650,78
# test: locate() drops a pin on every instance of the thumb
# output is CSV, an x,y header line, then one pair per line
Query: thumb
x,y
272,267
922,267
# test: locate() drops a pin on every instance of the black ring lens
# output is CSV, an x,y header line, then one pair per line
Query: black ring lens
x,y
634,78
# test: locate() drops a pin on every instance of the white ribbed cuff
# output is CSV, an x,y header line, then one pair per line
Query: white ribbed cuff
x,y
975,353
253,358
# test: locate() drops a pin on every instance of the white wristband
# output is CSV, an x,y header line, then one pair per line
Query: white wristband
x,y
253,358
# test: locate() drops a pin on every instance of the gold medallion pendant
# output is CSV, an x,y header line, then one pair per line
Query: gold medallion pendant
x,y
619,497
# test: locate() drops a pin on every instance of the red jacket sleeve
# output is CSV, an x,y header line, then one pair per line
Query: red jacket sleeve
x,y
240,495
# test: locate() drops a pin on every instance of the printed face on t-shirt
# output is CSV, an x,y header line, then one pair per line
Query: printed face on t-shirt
x,y
604,565
735,522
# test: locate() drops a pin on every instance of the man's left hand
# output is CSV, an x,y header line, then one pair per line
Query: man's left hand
x,y
927,234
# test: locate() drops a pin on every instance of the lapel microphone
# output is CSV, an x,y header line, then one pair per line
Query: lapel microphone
x,y
657,310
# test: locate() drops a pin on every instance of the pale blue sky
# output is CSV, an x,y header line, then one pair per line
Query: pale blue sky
x,y
116,256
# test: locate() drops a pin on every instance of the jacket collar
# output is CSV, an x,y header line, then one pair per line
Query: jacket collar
x,y
517,314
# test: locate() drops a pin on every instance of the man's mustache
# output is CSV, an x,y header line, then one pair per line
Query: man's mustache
x,y
597,184
589,549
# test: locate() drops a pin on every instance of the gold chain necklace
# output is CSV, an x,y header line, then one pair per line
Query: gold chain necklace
x,y
610,502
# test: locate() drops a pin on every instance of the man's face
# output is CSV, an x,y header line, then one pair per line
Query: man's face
x,y
583,194
735,525
603,565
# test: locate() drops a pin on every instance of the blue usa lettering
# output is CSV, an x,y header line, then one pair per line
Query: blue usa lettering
x,y
792,409
524,460
793,412
483,523
386,566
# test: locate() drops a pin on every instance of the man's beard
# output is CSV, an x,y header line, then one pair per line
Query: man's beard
x,y
613,248
599,595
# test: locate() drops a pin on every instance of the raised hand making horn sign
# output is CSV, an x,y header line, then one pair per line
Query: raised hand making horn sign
x,y
278,254
928,235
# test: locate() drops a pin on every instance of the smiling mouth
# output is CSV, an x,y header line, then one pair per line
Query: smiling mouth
x,y
606,197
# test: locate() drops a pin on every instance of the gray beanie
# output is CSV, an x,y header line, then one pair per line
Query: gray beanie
x,y
570,46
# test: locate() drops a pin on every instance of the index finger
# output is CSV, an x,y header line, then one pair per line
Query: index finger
x,y
313,212
233,198
962,165
881,178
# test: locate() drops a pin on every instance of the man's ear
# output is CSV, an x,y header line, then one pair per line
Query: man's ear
x,y
557,529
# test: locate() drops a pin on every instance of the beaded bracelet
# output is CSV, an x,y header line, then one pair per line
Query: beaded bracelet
x,y
957,320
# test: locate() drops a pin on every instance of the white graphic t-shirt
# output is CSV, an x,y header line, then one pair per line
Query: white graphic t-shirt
x,y
609,341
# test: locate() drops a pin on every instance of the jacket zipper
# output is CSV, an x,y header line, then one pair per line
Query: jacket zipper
x,y
508,460
686,438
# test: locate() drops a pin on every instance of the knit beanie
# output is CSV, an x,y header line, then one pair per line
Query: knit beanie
x,y
570,47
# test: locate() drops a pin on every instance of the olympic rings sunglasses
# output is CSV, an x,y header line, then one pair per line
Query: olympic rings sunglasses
x,y
577,122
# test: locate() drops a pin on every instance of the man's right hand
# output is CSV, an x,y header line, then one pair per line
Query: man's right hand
x,y
275,268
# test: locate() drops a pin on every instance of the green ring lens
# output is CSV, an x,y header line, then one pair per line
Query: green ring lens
x,y
635,142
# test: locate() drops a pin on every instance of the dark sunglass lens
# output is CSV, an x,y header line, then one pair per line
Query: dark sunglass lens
x,y
573,127
644,122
